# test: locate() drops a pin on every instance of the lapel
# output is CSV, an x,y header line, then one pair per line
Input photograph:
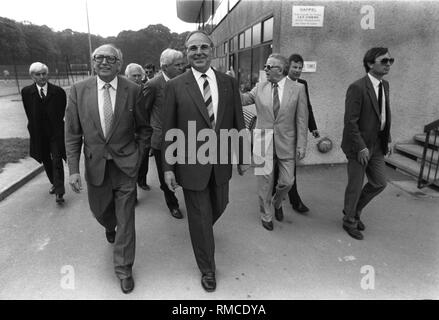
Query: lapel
x,y
267,94
195,93
49,92
92,104
372,96
121,97
286,95
222,94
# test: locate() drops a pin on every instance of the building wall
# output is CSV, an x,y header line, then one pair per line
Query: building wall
x,y
408,28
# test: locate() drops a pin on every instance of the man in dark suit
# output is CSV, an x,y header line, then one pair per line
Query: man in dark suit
x,y
296,66
172,65
105,112
201,100
366,136
45,105
282,119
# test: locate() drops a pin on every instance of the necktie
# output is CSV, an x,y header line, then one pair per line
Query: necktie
x,y
208,100
108,109
380,96
276,101
43,96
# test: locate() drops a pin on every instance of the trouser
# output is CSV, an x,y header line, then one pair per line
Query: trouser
x,y
143,170
203,209
357,196
112,204
267,200
170,198
53,165
293,195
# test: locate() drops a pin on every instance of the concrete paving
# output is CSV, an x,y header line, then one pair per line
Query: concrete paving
x,y
60,252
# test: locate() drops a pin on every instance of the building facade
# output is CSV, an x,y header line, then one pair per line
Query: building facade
x,y
332,37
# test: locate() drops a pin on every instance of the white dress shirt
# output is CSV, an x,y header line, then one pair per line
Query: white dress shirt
x,y
44,90
212,84
280,89
376,83
101,90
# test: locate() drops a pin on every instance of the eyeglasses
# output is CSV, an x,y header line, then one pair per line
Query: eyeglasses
x,y
269,67
385,61
110,59
202,47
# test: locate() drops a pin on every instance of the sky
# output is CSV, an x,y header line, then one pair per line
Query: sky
x,y
106,17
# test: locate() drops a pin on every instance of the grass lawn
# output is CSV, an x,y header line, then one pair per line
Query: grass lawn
x,y
12,150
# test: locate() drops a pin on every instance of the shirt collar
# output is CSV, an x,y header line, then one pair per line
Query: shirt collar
x,y
166,77
102,83
281,83
375,81
44,87
197,74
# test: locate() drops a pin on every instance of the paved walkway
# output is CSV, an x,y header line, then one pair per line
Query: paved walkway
x,y
60,252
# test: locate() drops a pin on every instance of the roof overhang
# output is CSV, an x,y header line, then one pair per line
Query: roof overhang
x,y
189,10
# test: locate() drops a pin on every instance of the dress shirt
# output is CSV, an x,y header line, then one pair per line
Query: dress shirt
x,y
376,83
44,90
212,85
101,90
280,89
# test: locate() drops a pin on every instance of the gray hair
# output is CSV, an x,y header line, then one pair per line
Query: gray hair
x,y
168,56
37,66
190,34
134,66
117,50
283,60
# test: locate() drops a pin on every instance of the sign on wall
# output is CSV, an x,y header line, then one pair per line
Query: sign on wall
x,y
309,66
308,16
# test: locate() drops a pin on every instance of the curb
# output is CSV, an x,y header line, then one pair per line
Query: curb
x,y
8,190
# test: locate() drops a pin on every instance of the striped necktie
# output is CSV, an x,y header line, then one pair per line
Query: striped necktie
x,y
43,96
208,100
276,101
108,109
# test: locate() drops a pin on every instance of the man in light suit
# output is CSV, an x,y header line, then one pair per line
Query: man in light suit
x,y
282,121
105,113
45,105
172,65
201,99
366,136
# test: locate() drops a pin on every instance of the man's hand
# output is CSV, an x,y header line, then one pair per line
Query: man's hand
x,y
75,182
300,154
316,134
363,156
389,149
170,181
242,168
151,152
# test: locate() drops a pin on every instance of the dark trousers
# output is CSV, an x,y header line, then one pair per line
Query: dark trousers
x,y
53,165
292,194
203,209
170,198
143,170
357,196
112,204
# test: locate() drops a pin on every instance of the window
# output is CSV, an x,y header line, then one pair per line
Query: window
x,y
231,45
257,34
267,30
220,13
248,38
232,4
241,41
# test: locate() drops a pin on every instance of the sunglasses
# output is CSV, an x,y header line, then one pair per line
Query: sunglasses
x,y
110,59
269,67
386,61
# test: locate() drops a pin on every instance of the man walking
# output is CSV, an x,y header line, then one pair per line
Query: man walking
x,y
105,112
366,136
45,105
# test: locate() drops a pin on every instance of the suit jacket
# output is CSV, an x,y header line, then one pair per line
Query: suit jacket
x,y
183,103
52,108
362,119
154,97
125,141
311,121
290,125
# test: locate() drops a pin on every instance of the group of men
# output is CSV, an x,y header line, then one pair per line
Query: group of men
x,y
119,123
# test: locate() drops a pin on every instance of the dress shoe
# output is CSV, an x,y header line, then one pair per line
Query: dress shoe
x,y
208,281
144,186
300,207
59,198
353,232
176,213
279,214
360,225
267,225
52,190
127,284
111,235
